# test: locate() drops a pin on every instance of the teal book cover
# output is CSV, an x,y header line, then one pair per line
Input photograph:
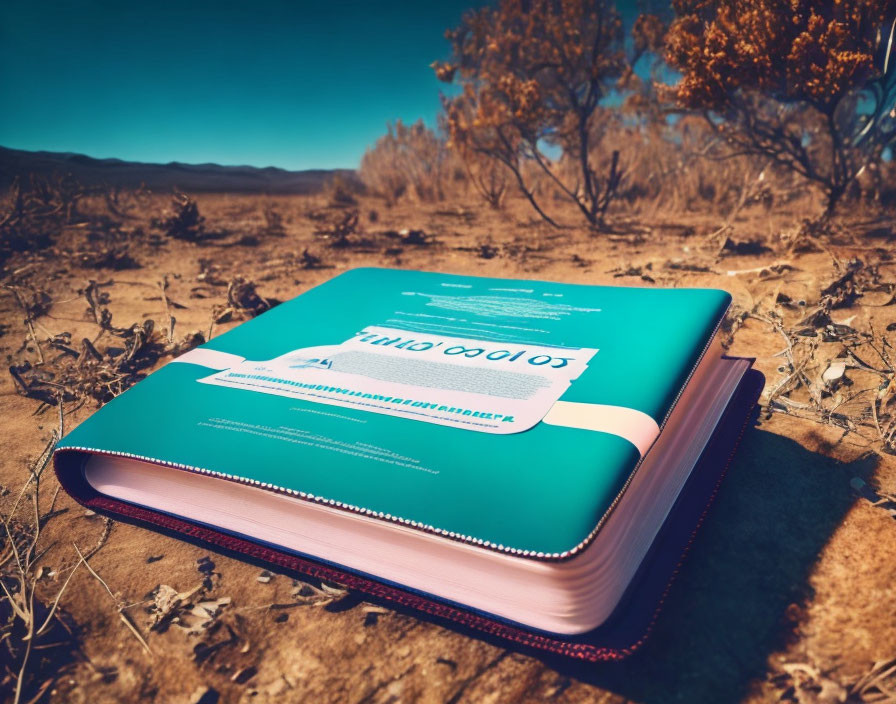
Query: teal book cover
x,y
507,413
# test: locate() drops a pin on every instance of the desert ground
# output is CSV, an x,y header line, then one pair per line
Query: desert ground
x,y
788,593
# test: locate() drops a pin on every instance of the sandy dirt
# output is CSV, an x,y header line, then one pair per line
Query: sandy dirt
x,y
788,593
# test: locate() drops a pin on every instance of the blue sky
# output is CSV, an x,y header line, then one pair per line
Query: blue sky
x,y
290,84
263,82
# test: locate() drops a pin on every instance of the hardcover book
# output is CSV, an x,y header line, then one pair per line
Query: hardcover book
x,y
526,459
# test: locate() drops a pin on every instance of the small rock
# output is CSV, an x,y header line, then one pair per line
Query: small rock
x,y
834,374
205,695
244,675
395,689
277,687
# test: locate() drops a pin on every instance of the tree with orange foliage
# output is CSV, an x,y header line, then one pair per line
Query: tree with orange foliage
x,y
808,85
532,74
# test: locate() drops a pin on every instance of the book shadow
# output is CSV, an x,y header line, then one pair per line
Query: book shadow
x,y
728,607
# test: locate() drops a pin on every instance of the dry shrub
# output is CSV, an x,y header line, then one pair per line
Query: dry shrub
x,y
125,202
342,191
58,194
67,370
183,221
409,161
36,210
108,247
243,297
273,221
876,186
488,176
682,167
338,229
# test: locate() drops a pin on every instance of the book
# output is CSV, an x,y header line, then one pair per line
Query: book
x,y
503,454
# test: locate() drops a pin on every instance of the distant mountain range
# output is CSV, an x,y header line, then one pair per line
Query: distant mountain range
x,y
159,177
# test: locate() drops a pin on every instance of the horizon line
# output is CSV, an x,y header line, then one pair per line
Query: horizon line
x,y
174,162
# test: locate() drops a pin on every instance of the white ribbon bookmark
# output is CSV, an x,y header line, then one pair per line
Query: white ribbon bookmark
x,y
210,358
635,426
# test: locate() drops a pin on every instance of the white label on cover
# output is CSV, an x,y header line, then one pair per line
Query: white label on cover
x,y
492,387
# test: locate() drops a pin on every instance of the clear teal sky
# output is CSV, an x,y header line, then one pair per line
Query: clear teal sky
x,y
262,82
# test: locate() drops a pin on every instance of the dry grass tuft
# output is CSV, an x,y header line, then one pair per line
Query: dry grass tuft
x,y
37,638
91,370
